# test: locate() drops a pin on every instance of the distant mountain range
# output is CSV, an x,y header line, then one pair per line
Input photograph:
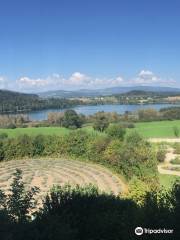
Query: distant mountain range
x,y
104,92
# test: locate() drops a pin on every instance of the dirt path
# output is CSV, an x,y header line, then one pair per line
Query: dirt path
x,y
168,140
170,155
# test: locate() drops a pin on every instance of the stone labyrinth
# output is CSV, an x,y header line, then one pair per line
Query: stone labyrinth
x,y
45,173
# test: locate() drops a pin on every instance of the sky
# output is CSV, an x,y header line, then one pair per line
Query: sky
x,y
73,44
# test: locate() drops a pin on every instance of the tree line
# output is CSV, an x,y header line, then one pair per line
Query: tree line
x,y
12,102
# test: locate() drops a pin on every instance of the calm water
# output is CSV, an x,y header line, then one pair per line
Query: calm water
x,y
89,110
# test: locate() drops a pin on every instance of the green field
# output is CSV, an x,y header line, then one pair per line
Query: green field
x,y
32,131
161,129
167,180
35,131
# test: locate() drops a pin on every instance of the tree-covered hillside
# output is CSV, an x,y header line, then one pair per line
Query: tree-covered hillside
x,y
11,102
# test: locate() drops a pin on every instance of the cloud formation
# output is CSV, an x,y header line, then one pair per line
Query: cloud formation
x,y
146,77
80,80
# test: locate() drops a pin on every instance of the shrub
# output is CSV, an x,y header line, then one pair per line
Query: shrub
x,y
3,136
76,143
2,155
138,159
18,202
161,153
100,122
96,148
176,160
38,144
112,153
177,148
11,126
71,120
116,131
137,191
176,131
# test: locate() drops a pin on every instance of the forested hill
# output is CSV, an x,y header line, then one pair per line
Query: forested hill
x,y
11,96
13,102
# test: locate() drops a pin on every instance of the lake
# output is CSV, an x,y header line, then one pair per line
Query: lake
x,y
91,109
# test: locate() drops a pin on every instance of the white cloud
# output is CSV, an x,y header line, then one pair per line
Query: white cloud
x,y
146,77
80,80
75,81
3,82
32,82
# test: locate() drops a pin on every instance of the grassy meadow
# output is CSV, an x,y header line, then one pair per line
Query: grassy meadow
x,y
167,180
159,129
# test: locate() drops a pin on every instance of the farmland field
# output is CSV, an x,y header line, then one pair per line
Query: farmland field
x,y
44,173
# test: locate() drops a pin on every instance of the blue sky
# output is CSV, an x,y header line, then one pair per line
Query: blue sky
x,y
71,44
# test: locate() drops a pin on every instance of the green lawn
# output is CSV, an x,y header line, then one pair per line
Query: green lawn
x,y
167,180
43,130
35,131
161,129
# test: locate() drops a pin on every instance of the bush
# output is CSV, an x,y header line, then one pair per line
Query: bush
x,y
176,131
112,153
161,153
76,143
176,160
38,144
138,159
177,148
100,122
71,120
18,202
3,136
137,191
116,131
96,148
11,126
2,154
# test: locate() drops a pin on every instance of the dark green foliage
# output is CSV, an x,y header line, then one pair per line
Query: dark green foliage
x,y
76,143
170,113
78,213
71,120
116,131
18,203
138,159
3,136
11,102
96,148
176,131
38,145
100,122
161,153
2,154
177,148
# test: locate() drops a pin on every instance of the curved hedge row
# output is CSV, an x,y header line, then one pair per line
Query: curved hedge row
x,y
131,157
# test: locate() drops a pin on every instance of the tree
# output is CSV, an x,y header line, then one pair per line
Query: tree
x,y
101,122
71,119
116,131
18,203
